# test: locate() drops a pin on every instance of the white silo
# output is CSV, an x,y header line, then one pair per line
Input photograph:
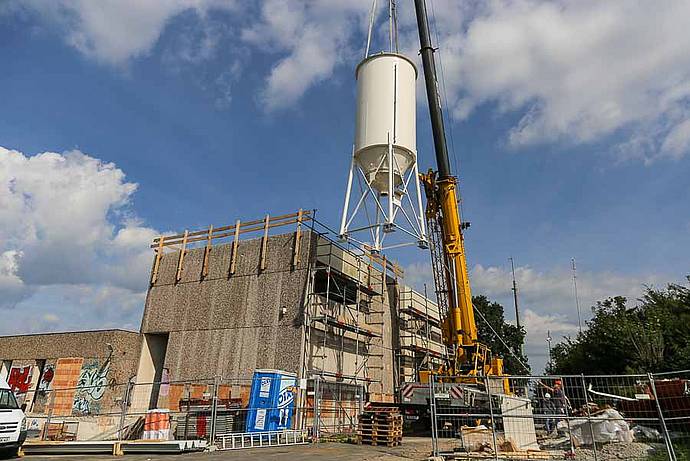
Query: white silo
x,y
386,107
384,158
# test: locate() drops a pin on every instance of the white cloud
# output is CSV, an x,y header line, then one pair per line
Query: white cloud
x,y
578,70
66,227
312,38
76,307
114,31
547,301
571,70
12,286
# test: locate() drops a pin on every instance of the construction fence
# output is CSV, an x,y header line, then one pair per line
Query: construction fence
x,y
632,417
228,412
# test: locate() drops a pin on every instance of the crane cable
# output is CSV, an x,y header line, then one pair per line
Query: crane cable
x,y
445,106
512,352
393,43
372,15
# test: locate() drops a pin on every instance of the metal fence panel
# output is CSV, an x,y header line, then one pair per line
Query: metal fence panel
x,y
561,417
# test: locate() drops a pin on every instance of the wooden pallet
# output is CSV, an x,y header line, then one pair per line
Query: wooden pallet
x,y
389,442
380,426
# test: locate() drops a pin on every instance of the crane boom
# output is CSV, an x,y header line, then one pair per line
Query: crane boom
x,y
447,241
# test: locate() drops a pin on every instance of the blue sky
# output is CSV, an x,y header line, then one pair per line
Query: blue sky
x,y
202,112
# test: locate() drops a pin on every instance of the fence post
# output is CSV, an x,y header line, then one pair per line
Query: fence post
x,y
667,438
589,418
432,405
51,404
491,412
214,413
316,409
123,409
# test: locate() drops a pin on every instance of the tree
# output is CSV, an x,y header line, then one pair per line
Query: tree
x,y
511,335
650,337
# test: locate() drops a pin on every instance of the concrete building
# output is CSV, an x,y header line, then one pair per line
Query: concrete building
x,y
71,374
220,305
275,293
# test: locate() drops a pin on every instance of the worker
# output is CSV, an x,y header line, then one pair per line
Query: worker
x,y
547,406
559,402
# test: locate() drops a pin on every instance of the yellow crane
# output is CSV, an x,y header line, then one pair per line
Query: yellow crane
x,y
469,358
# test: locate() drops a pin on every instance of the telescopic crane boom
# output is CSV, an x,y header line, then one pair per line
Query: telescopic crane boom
x,y
469,357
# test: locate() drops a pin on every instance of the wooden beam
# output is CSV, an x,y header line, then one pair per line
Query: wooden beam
x,y
207,252
298,238
233,256
244,224
216,234
180,260
157,262
264,244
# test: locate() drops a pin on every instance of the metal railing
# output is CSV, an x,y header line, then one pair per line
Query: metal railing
x,y
221,411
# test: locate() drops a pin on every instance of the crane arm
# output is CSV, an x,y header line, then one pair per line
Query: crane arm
x,y
448,250
442,203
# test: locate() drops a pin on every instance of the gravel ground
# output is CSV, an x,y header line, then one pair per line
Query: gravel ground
x,y
616,451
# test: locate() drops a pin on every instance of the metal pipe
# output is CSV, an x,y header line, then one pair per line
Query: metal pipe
x,y
589,419
667,438
432,93
487,383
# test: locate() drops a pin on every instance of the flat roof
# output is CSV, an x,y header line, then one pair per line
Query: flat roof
x,y
104,330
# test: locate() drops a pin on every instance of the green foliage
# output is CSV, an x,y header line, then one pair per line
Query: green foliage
x,y
511,335
653,336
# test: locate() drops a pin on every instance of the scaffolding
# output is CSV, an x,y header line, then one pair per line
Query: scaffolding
x,y
420,344
345,334
344,315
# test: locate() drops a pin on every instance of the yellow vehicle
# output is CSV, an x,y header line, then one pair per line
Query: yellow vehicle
x,y
470,358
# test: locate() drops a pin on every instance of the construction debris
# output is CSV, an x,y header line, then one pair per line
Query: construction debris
x,y
601,427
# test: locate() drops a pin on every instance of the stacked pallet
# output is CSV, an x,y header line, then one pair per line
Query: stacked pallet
x,y
380,426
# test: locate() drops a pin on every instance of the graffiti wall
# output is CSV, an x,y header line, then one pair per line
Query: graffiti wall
x,y
45,385
91,386
20,381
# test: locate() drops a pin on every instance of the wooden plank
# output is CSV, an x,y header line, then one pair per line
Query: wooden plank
x,y
244,224
157,262
233,256
207,252
180,260
228,234
298,237
264,244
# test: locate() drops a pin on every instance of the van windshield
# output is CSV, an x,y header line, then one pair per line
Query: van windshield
x,y
7,400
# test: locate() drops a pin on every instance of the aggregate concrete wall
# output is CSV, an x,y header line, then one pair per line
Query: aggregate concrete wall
x,y
229,325
89,345
70,373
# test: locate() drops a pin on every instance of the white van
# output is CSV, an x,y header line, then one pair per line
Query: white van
x,y
12,421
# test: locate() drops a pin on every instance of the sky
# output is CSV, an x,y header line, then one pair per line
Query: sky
x,y
568,122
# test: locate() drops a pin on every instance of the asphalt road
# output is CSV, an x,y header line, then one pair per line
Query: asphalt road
x,y
414,448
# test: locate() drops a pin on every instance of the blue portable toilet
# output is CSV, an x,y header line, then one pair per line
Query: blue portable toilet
x,y
271,401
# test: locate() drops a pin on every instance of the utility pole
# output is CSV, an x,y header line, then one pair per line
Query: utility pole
x,y
548,341
577,300
515,293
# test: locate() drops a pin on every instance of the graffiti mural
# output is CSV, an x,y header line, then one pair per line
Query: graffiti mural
x,y
20,379
91,386
46,378
43,388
